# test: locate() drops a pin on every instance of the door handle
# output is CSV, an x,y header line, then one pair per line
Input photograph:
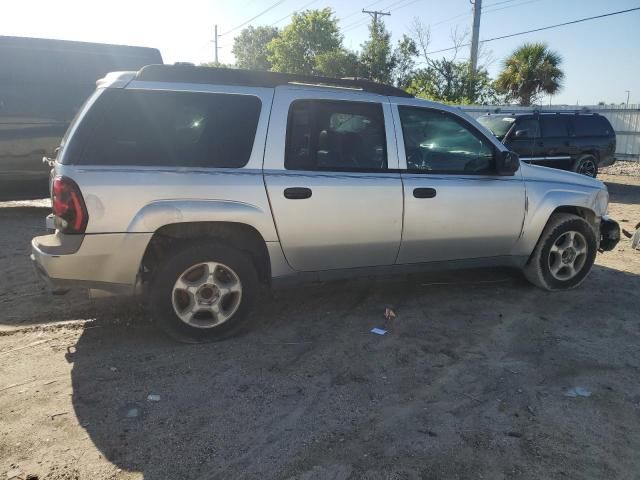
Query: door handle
x,y
424,192
297,193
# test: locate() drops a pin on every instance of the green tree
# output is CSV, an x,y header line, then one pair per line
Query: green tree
x,y
377,58
217,65
530,71
250,47
310,34
404,59
338,64
450,81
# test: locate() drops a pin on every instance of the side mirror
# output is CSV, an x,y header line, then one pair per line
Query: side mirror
x,y
522,133
507,163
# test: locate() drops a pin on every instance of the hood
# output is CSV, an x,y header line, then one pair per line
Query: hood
x,y
547,174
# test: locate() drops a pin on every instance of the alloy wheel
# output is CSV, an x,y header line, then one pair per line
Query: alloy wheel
x,y
568,255
206,295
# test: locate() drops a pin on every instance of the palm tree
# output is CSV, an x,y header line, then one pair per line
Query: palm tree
x,y
529,71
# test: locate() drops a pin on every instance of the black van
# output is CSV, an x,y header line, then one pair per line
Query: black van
x,y
581,142
43,83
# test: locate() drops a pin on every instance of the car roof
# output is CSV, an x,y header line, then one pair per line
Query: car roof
x,y
537,113
182,73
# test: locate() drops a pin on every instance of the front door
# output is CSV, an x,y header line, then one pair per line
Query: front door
x,y
337,203
524,139
455,207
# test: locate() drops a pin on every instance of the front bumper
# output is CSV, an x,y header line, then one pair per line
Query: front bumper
x,y
609,234
108,262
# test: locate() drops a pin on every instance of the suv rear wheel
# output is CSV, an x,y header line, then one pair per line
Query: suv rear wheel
x,y
564,255
586,165
203,292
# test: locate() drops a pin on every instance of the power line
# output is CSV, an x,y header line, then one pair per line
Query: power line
x,y
358,11
469,13
498,3
391,7
509,6
375,13
540,29
291,14
253,18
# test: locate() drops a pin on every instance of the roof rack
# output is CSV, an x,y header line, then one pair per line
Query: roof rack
x,y
251,78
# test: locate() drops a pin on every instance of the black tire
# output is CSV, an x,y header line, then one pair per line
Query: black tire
x,y
587,165
163,281
538,269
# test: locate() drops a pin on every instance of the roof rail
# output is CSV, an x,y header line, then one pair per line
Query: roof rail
x,y
251,78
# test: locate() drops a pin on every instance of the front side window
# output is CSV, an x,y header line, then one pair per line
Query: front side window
x,y
530,125
155,128
553,126
436,142
336,135
499,126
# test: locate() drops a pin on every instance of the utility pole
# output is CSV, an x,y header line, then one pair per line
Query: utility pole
x,y
628,93
215,42
374,14
475,35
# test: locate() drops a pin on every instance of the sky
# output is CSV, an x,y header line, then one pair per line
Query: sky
x,y
601,58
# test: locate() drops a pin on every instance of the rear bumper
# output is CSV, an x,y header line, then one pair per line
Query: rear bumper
x,y
609,234
107,262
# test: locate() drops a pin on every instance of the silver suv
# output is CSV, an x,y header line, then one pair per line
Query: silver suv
x,y
196,185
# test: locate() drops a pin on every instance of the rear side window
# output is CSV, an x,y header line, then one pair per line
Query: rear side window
x,y
336,135
590,126
554,125
154,128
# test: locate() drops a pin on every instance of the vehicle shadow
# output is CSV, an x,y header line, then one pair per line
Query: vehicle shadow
x,y
308,392
625,193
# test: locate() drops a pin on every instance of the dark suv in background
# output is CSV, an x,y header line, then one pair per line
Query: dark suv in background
x,y
43,83
581,142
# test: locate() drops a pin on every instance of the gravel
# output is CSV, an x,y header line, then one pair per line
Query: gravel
x,y
629,168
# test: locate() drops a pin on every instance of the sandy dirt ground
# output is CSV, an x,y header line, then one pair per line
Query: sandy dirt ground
x,y
470,382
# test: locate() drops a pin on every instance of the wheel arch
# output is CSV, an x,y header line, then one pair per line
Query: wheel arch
x,y
543,203
240,236
580,211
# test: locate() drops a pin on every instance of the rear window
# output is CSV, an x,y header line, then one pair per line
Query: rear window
x,y
154,128
590,126
554,125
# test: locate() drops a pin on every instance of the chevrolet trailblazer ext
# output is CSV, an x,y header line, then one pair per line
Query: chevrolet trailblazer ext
x,y
196,184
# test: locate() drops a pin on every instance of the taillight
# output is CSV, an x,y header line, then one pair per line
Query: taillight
x,y
68,206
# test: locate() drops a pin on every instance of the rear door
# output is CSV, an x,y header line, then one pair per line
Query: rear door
x,y
331,175
556,142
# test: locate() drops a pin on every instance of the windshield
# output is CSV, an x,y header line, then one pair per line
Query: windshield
x,y
499,126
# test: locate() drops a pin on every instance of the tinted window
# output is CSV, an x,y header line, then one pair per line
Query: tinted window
x,y
553,125
590,126
151,128
530,125
440,143
335,135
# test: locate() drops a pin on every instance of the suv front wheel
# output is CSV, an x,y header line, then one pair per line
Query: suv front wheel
x,y
564,254
203,292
